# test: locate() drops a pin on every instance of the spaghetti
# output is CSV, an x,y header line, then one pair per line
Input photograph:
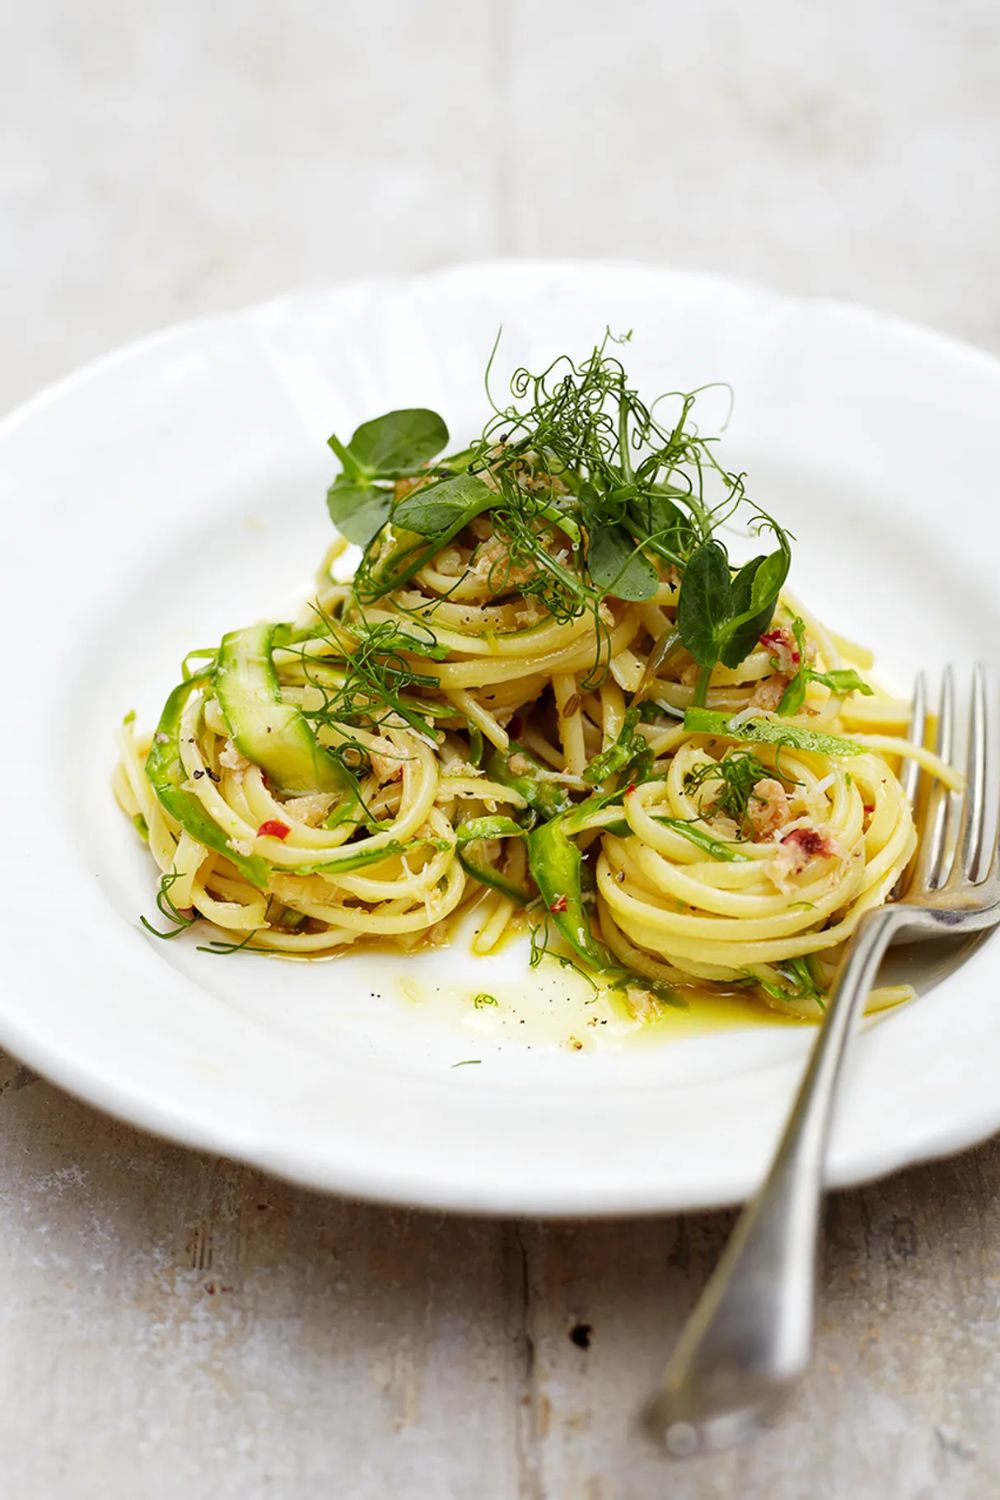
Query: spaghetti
x,y
545,692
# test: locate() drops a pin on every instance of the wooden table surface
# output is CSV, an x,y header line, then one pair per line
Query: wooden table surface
x,y
176,1325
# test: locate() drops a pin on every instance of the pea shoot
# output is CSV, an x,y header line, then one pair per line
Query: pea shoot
x,y
733,781
591,492
841,682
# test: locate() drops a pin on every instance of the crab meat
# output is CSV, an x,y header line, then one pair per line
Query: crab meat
x,y
768,692
782,647
231,758
723,826
311,809
641,1002
767,809
492,561
387,763
529,613
796,851
809,843
449,562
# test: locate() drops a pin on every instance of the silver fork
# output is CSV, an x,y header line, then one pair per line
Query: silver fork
x,y
750,1336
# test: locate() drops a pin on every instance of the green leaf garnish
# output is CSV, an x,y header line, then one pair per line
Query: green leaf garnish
x,y
494,827
419,526
556,867
706,602
720,616
659,523
167,776
768,732
475,744
387,637
801,984
197,663
470,834
351,857
440,510
660,989
358,510
629,750
736,775
717,848
756,588
375,678
617,568
841,681
394,446
545,798
225,950
179,920
587,485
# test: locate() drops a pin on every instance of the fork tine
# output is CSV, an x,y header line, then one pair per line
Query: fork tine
x,y
930,867
989,859
910,776
968,859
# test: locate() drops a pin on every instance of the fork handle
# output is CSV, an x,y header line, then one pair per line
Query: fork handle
x,y
750,1335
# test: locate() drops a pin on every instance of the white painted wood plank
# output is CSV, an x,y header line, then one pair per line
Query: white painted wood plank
x,y
176,1325
904,1399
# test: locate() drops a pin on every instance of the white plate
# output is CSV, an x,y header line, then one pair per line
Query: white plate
x,y
176,489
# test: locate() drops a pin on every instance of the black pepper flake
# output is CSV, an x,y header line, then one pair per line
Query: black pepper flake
x,y
198,775
211,775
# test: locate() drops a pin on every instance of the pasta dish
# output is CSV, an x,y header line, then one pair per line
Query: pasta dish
x,y
544,692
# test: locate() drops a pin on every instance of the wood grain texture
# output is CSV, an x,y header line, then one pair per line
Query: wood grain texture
x,y
177,1325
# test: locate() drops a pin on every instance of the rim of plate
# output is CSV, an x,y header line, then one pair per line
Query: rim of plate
x,y
406,1182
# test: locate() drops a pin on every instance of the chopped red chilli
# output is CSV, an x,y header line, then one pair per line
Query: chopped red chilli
x,y
812,842
273,828
783,648
559,904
